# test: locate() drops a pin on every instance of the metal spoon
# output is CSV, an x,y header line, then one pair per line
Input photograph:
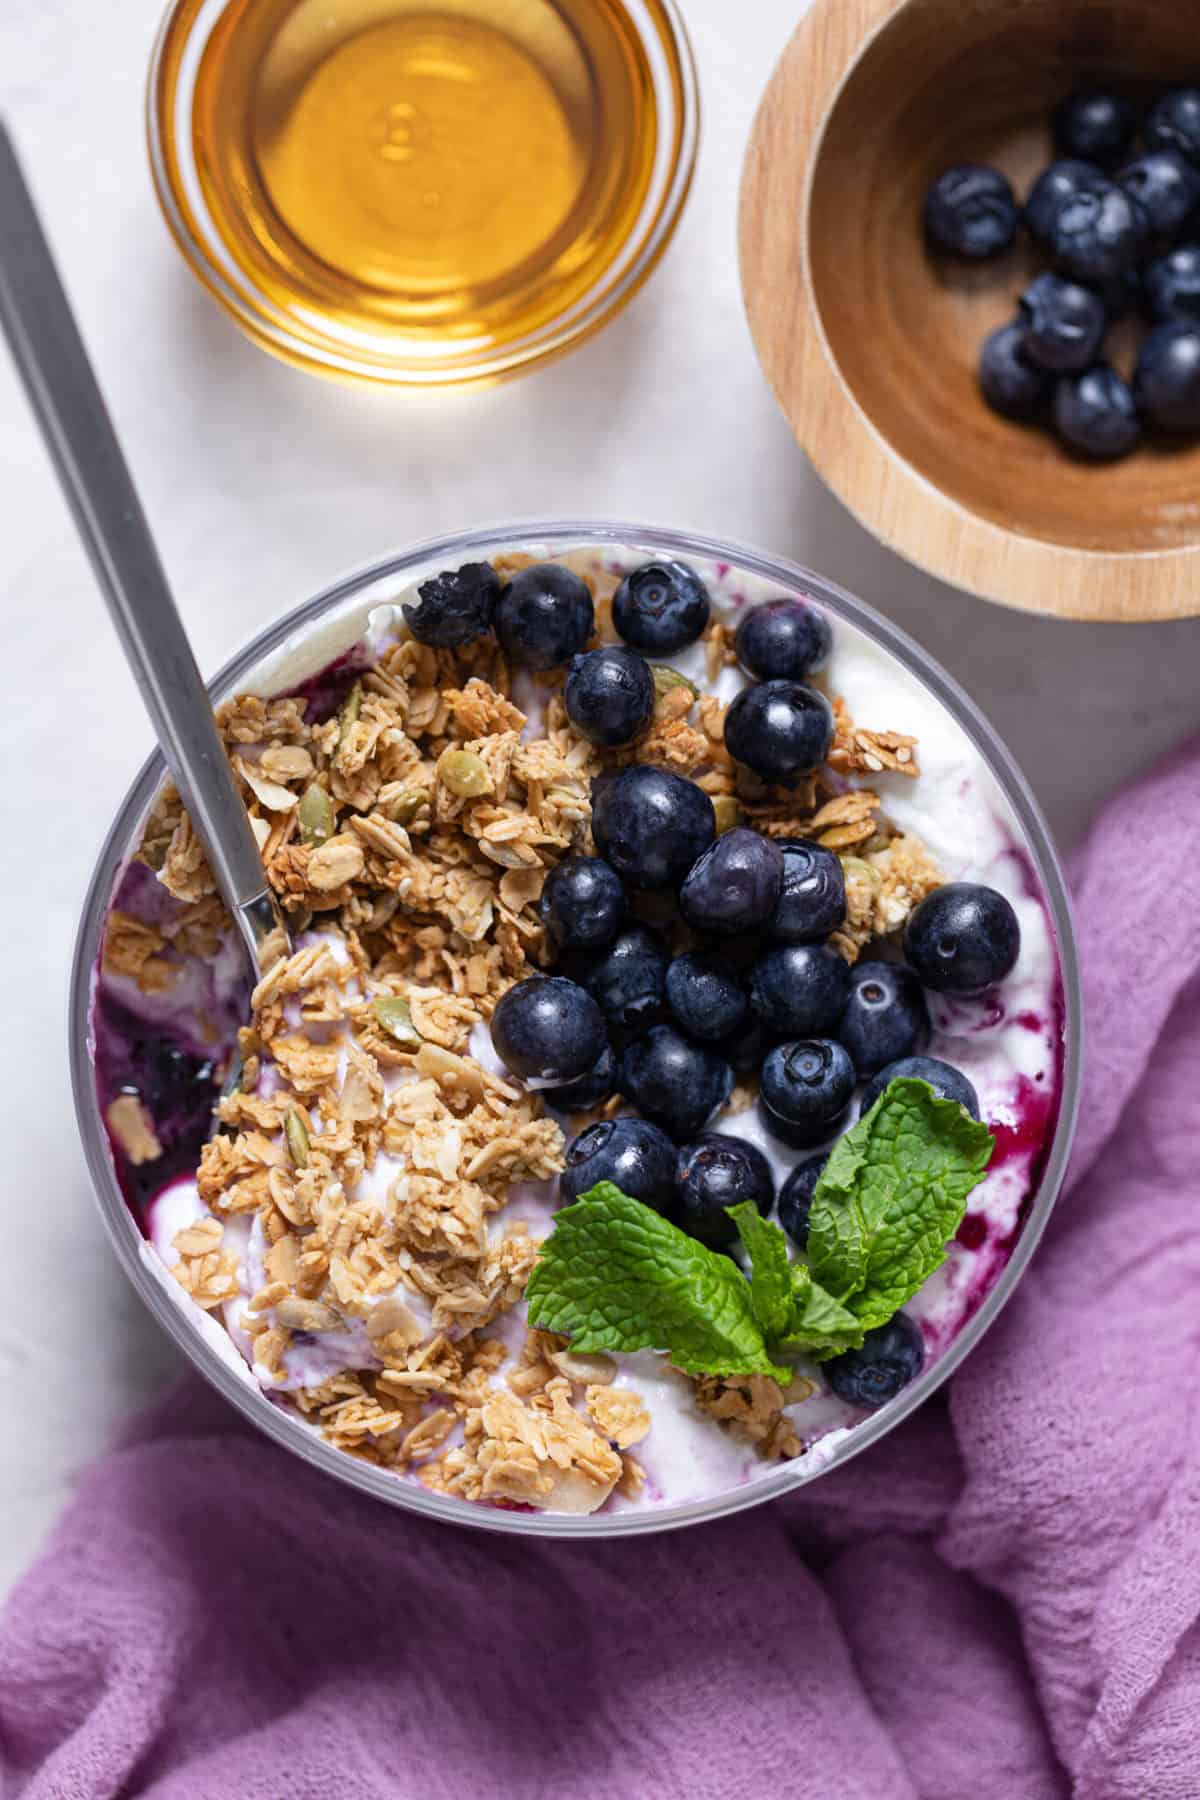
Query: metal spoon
x,y
53,364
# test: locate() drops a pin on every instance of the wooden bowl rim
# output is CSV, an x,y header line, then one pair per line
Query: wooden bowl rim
x,y
893,500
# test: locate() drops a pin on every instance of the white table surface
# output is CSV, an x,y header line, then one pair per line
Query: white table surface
x,y
263,484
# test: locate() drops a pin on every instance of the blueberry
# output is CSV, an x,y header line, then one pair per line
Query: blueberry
x,y
970,211
800,990
1095,413
1098,233
735,885
628,979
962,938
652,825
782,730
1009,382
661,607
714,1173
890,1357
706,995
1166,187
783,639
1052,187
745,1049
609,695
548,1029
1121,293
1166,382
1174,124
583,903
806,1087
588,1090
544,617
635,1156
1172,285
796,1198
885,1017
673,1082
812,900
946,1082
454,607
1064,324
1095,125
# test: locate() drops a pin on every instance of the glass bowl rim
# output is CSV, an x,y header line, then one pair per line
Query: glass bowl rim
x,y
655,225
288,1431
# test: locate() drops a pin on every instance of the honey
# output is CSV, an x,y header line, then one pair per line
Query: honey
x,y
440,176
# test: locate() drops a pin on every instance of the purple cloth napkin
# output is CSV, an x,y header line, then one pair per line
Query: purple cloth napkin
x,y
1000,1602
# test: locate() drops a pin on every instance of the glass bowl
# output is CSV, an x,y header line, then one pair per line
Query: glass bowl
x,y
324,344
307,640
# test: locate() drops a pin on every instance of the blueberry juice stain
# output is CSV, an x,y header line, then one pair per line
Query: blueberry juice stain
x,y
177,1088
324,692
972,1233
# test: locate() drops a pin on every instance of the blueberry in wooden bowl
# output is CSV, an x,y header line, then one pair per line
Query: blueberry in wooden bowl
x,y
871,339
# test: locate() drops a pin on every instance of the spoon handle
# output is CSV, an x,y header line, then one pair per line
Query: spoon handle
x,y
53,364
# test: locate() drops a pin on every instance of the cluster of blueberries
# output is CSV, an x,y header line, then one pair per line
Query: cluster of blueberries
x,y
1120,232
762,992
766,996
781,728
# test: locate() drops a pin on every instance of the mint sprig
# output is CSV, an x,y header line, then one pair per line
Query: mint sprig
x,y
615,1275
891,1196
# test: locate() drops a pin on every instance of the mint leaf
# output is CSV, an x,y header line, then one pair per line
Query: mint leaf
x,y
613,1275
891,1196
837,1243
794,1312
770,1271
818,1324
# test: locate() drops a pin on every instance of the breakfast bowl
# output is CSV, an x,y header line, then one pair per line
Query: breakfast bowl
x,y
871,344
330,1257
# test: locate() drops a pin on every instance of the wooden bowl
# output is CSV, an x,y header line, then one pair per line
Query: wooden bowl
x,y
871,346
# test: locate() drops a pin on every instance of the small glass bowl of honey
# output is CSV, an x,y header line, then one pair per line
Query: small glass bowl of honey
x,y
422,193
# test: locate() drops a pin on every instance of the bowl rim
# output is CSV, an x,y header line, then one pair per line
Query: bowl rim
x,y
888,496
128,1242
615,287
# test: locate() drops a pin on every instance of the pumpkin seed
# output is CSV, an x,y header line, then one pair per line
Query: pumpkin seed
x,y
728,812
296,1133
666,678
395,1016
407,804
464,773
315,815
